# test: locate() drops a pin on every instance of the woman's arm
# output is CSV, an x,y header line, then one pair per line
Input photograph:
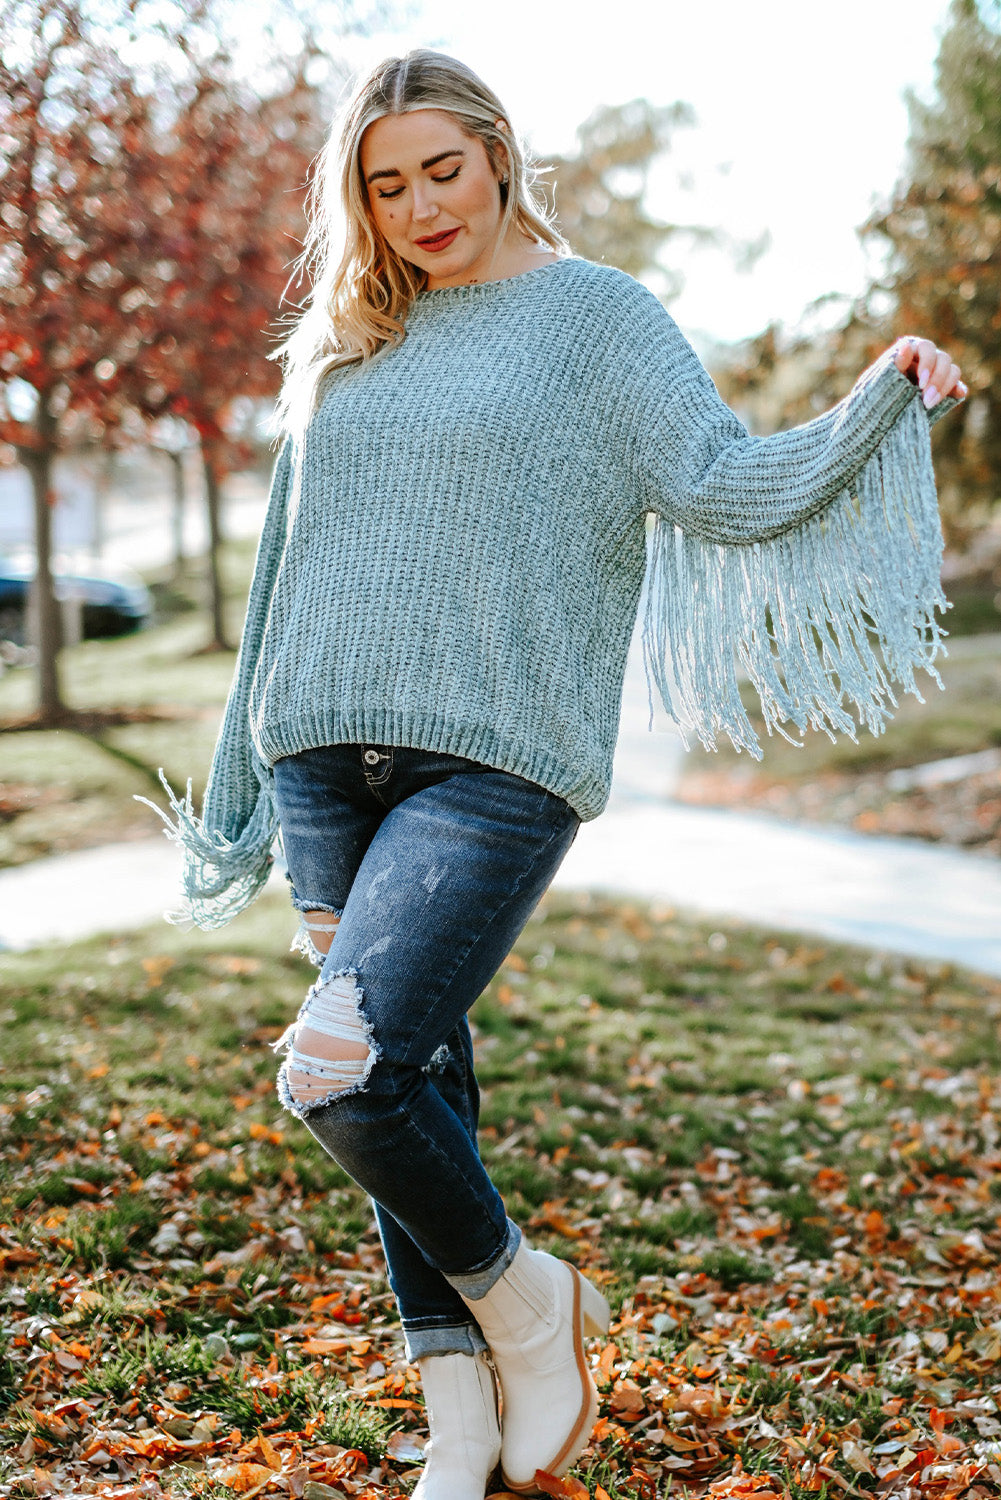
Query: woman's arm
x,y
234,782
227,851
699,468
806,563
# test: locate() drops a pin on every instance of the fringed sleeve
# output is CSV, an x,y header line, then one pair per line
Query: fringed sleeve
x,y
806,563
227,851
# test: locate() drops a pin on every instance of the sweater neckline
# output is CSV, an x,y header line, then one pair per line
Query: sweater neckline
x,y
471,289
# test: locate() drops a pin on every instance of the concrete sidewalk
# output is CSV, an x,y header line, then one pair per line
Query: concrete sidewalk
x,y
889,894
897,895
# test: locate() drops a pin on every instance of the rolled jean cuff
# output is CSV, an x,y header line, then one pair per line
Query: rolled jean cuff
x,y
472,1285
459,1338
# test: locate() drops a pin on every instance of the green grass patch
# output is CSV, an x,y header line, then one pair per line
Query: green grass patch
x,y
777,1157
68,788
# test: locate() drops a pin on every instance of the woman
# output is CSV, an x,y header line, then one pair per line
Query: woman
x,y
426,700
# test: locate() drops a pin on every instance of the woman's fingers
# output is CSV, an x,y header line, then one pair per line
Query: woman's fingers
x,y
903,355
955,385
914,357
930,368
938,382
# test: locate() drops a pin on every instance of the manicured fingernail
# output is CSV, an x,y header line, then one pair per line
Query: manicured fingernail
x,y
922,378
931,397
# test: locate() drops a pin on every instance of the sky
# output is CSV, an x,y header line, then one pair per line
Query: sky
x,y
801,130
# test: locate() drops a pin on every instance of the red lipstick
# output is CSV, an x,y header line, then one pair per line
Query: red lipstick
x,y
435,242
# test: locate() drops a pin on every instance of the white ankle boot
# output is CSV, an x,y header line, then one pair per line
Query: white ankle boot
x,y
461,1400
535,1319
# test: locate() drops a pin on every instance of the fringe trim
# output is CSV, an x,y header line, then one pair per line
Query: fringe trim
x,y
835,610
221,876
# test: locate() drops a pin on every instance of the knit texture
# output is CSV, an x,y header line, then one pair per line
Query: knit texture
x,y
454,554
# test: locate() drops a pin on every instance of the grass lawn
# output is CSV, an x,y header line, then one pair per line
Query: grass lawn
x,y
779,1158
66,789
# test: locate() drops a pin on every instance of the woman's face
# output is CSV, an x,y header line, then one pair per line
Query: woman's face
x,y
433,193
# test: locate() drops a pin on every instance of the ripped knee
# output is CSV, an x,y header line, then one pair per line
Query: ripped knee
x,y
330,1047
316,933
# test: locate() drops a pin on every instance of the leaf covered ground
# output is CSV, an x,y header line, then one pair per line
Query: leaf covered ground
x,y
877,786
780,1159
965,811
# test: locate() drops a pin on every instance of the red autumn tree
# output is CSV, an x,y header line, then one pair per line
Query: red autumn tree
x,y
75,162
229,213
145,236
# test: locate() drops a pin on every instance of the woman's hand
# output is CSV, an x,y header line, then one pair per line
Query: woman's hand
x,y
931,369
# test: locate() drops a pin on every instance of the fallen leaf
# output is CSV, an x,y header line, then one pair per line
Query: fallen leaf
x,y
626,1397
264,1451
405,1447
856,1457
244,1478
567,1488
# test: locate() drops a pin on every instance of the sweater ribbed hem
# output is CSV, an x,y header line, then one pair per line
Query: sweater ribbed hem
x,y
585,793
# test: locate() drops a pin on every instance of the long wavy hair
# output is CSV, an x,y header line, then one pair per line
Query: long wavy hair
x,y
361,290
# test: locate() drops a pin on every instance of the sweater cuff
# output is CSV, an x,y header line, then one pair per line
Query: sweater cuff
x,y
878,399
946,405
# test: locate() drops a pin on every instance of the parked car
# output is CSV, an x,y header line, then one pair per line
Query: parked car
x,y
113,600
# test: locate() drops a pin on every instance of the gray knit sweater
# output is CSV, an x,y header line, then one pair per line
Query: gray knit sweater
x,y
454,554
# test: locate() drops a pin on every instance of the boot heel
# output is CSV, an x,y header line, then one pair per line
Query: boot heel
x,y
595,1313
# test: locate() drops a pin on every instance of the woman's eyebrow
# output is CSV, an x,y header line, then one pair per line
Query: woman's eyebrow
x,y
429,161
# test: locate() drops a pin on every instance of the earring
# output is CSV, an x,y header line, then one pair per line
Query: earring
x,y
504,180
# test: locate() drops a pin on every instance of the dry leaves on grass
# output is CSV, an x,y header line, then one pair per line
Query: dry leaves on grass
x,y
715,1417
965,812
805,1270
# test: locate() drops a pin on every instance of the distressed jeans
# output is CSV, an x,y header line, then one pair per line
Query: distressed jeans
x,y
433,864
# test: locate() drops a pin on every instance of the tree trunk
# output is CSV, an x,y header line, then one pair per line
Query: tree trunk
x,y
43,604
177,515
213,502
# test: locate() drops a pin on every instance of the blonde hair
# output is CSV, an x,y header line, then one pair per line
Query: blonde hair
x,y
362,291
